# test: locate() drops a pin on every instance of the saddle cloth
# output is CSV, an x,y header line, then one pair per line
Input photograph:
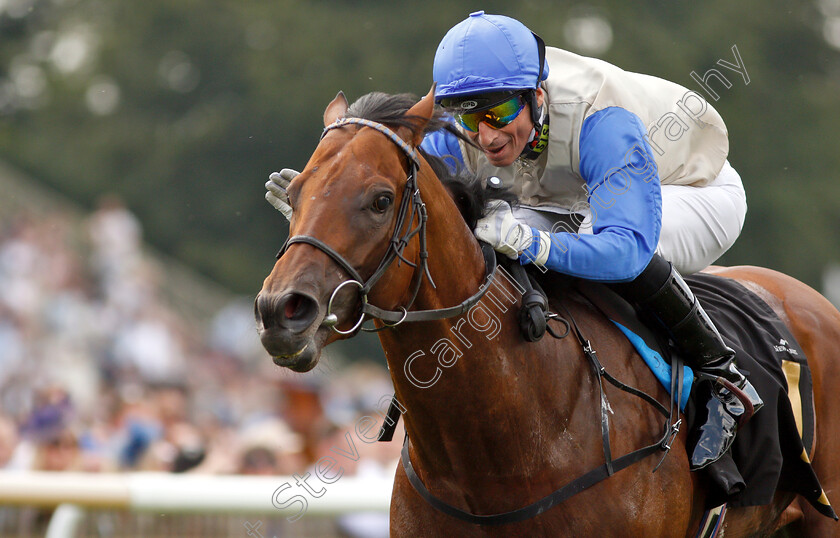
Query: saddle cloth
x,y
771,451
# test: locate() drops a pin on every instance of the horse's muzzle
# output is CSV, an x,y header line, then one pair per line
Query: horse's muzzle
x,y
286,326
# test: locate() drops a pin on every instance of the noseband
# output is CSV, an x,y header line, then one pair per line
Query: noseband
x,y
411,206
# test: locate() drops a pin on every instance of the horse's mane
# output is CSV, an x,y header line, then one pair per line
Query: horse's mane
x,y
391,110
467,189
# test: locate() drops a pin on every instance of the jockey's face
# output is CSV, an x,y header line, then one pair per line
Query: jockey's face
x,y
502,146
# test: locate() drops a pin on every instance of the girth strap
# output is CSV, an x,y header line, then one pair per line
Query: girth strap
x,y
549,501
585,481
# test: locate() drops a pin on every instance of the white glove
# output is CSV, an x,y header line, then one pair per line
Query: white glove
x,y
501,230
276,186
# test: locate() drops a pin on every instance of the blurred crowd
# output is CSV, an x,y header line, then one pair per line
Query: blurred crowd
x,y
97,374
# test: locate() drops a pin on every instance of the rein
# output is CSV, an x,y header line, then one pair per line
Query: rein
x,y
411,207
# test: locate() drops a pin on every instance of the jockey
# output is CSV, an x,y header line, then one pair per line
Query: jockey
x,y
621,177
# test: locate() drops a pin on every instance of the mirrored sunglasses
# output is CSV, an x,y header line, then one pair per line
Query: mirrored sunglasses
x,y
496,116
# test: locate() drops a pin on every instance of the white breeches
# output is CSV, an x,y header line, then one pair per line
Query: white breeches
x,y
699,224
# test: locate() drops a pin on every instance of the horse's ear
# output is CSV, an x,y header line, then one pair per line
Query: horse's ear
x,y
419,115
336,109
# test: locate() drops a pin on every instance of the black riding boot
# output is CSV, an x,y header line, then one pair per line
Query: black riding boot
x,y
661,294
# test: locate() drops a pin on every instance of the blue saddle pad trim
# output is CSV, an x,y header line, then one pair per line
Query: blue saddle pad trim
x,y
660,368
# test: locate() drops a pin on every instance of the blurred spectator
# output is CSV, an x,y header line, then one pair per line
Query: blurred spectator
x,y
148,344
12,344
97,372
304,412
188,447
58,451
8,441
115,236
232,330
21,269
269,447
52,413
50,441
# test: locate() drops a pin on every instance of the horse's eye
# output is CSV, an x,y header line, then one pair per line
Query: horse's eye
x,y
382,203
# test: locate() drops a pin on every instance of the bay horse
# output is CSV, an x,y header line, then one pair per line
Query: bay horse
x,y
495,423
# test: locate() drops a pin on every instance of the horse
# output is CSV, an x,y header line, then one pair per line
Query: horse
x,y
495,422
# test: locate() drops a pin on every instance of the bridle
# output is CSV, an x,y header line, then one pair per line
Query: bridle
x,y
411,207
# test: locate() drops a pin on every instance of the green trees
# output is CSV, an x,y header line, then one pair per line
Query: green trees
x,y
184,107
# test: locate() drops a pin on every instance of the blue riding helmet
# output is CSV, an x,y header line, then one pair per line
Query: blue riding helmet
x,y
487,53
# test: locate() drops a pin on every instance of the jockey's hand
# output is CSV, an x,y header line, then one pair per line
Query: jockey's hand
x,y
501,230
276,187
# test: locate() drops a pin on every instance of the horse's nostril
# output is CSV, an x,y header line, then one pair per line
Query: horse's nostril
x,y
293,311
292,308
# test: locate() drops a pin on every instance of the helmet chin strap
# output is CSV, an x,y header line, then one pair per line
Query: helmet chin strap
x,y
539,135
538,140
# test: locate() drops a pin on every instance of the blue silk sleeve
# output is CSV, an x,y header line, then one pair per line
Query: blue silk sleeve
x,y
624,196
444,145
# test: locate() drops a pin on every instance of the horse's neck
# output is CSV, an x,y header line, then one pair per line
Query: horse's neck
x,y
472,376
479,399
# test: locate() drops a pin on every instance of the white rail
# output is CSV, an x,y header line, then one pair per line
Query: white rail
x,y
187,493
